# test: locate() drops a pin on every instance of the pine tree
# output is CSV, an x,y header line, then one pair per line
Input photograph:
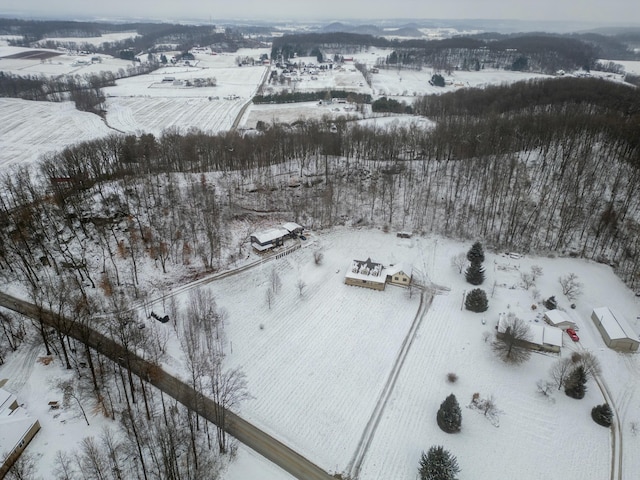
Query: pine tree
x,y
438,464
475,273
476,253
551,303
602,414
476,301
576,383
449,416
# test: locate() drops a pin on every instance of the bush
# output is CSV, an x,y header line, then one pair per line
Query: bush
x,y
437,80
476,253
452,377
576,383
449,416
438,464
551,303
475,273
476,301
602,414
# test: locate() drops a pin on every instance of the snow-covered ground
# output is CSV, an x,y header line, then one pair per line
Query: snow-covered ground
x,y
317,364
30,129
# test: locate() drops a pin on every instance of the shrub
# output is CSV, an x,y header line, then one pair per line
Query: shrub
x,y
476,301
449,416
576,383
551,303
452,377
602,414
475,273
438,464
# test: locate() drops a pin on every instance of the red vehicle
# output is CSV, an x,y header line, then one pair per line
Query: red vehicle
x,y
572,333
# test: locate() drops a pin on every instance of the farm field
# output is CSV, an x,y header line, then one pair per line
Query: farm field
x,y
31,129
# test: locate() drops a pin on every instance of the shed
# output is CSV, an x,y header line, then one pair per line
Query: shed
x,y
399,274
616,332
16,430
559,319
293,228
366,273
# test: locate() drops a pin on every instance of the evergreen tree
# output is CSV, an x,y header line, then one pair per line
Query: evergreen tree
x,y
475,273
602,414
476,253
437,80
551,303
576,384
438,464
476,301
449,416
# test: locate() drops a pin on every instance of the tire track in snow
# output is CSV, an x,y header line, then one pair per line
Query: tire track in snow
x,y
354,466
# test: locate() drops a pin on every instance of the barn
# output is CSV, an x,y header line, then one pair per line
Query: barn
x,y
366,273
559,319
616,332
16,430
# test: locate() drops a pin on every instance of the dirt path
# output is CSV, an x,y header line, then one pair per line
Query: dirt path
x,y
256,439
354,466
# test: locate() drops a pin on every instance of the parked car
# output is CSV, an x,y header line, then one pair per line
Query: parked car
x,y
572,334
302,237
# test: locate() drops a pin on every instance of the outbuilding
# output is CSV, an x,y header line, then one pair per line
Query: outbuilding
x,y
16,430
559,319
616,332
399,274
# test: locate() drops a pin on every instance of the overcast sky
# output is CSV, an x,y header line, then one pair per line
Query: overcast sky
x,y
605,11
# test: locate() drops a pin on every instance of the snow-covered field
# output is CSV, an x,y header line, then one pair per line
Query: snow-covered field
x,y
317,365
30,129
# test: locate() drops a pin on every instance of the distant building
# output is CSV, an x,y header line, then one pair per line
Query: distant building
x,y
543,337
399,274
559,319
616,332
369,274
16,430
274,237
366,273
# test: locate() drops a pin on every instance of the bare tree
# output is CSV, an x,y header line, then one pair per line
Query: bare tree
x,y
318,256
269,297
589,362
571,287
536,271
70,392
24,468
560,371
301,285
459,261
527,280
510,344
275,281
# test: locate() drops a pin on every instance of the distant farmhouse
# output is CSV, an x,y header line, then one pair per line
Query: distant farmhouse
x,y
369,274
16,430
616,332
274,237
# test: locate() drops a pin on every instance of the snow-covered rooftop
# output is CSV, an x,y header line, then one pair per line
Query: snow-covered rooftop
x,y
14,424
400,267
367,270
615,326
291,226
557,316
545,335
270,235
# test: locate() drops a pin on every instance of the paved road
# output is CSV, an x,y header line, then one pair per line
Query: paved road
x,y
256,439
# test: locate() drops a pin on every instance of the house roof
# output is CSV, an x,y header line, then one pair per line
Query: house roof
x,y
367,270
558,316
291,226
270,235
546,335
616,327
14,425
400,267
